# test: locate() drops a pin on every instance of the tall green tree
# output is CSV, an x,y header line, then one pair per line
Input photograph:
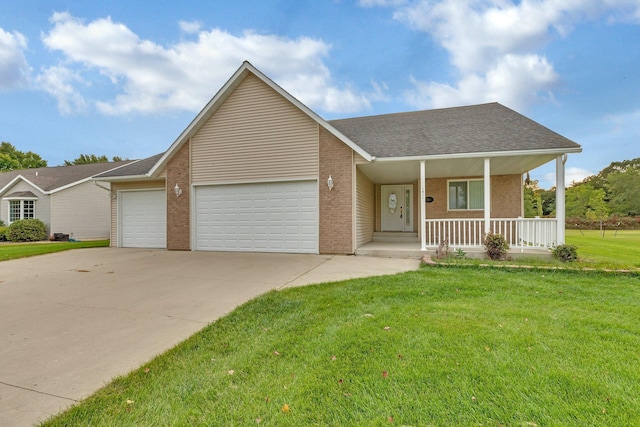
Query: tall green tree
x,y
11,158
532,201
584,201
624,192
548,198
85,159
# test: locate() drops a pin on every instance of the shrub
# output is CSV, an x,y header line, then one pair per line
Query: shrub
x,y
495,246
3,233
565,253
443,250
27,230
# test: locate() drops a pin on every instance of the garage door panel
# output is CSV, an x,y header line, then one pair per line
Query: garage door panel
x,y
143,222
266,217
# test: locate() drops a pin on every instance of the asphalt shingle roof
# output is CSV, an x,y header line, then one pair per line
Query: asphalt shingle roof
x,y
49,179
471,129
137,168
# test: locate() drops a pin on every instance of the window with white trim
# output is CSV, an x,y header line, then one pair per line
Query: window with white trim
x,y
21,209
466,194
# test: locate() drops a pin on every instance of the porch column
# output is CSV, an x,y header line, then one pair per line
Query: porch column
x,y
487,195
560,201
422,204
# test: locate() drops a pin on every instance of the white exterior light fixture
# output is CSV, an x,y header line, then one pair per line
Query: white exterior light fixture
x,y
177,190
330,183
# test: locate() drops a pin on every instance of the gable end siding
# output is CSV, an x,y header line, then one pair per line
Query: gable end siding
x,y
256,135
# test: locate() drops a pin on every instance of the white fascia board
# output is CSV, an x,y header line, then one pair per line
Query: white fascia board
x,y
222,95
16,179
555,151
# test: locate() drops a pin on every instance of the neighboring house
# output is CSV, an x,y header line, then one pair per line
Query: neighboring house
x,y
65,198
257,170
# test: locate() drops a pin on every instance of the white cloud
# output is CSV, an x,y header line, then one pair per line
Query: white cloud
x,y
494,45
516,81
571,175
58,82
14,69
184,75
382,3
191,27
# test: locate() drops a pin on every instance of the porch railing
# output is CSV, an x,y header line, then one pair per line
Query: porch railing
x,y
519,232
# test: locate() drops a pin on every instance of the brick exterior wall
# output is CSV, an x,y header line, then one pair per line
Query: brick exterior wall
x,y
336,212
178,218
506,198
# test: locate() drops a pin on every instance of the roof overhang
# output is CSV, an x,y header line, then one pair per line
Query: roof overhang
x,y
20,178
21,195
396,170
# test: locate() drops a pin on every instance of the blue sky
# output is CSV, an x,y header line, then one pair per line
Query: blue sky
x,y
124,78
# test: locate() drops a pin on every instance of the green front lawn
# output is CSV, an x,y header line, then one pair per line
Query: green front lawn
x,y
620,248
456,346
21,250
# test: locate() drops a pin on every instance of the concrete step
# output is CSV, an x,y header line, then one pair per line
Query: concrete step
x,y
395,237
391,250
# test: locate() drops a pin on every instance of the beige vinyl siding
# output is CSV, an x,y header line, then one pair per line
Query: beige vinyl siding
x,y
256,135
81,210
365,209
43,207
117,186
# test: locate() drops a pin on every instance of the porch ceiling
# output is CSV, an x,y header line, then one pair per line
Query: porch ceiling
x,y
404,171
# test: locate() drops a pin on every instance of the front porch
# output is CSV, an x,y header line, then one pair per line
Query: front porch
x,y
525,236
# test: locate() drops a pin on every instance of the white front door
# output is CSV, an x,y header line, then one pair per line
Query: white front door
x,y
397,208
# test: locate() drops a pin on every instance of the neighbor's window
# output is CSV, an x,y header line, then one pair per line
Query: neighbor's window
x,y
21,209
468,194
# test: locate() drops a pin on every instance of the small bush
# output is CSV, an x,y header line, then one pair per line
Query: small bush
x,y
27,230
443,250
565,253
3,233
495,246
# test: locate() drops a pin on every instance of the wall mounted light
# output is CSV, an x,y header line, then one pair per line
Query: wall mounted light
x,y
330,183
177,190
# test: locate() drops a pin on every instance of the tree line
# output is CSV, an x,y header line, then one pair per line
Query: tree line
x,y
614,192
13,159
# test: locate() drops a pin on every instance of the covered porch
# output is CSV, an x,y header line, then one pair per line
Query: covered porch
x,y
435,191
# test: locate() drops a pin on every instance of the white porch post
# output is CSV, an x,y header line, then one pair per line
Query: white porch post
x,y
487,195
560,201
422,204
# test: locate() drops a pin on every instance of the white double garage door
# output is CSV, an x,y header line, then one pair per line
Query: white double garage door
x,y
259,217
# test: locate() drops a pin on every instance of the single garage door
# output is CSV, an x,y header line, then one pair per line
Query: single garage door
x,y
265,217
143,219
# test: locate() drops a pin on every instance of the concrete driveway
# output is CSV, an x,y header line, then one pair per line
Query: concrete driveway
x,y
69,322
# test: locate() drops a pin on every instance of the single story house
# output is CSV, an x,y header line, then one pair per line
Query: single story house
x,y
65,198
257,170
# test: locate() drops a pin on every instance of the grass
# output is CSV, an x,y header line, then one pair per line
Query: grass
x,y
20,250
620,248
442,346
